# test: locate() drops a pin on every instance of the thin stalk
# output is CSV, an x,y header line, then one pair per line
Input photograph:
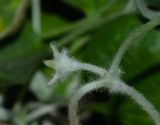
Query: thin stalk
x,y
89,25
114,87
73,106
145,11
36,16
124,89
129,41
17,20
92,68
40,112
144,103
106,7
81,66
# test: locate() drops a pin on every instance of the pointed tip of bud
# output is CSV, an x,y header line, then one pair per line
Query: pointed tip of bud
x,y
54,48
49,63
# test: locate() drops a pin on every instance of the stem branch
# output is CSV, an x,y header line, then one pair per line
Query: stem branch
x,y
147,13
128,42
92,68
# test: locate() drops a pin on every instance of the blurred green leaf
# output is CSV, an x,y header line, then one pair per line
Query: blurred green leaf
x,y
90,7
107,39
7,12
19,59
93,7
53,25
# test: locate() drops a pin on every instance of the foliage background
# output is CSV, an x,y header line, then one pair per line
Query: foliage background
x,y
92,31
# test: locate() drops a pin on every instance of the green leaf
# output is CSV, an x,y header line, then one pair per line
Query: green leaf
x,y
107,39
53,25
19,59
89,7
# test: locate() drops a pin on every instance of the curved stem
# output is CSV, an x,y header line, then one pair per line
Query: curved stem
x,y
141,101
145,104
114,86
73,106
147,13
40,112
128,42
92,68
17,20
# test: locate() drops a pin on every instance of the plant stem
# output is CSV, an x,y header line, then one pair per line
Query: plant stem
x,y
17,20
87,26
90,24
114,87
92,68
129,41
40,112
144,103
36,16
73,106
124,89
147,13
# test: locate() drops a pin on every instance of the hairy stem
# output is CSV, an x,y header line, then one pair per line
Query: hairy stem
x,y
73,106
128,42
139,99
114,86
147,13
40,112
92,68
145,104
83,66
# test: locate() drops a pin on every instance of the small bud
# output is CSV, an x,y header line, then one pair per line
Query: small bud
x,y
62,63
